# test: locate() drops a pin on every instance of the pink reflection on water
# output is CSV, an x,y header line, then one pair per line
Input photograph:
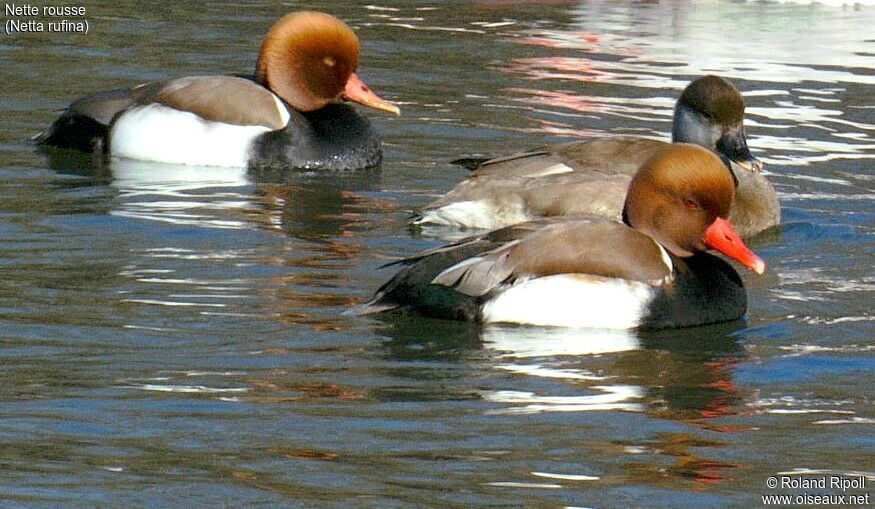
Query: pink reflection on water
x,y
569,40
545,127
572,68
561,99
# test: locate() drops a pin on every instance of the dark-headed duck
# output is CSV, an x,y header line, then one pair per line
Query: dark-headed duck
x,y
591,177
286,116
589,271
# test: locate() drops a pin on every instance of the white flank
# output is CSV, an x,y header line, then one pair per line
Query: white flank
x,y
458,268
556,169
281,108
473,214
569,300
666,259
157,133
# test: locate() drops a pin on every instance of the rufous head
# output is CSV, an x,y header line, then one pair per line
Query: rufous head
x,y
681,198
309,60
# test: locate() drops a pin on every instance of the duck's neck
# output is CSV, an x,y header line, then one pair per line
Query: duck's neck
x,y
689,126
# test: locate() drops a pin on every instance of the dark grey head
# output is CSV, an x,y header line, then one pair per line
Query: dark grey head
x,y
710,113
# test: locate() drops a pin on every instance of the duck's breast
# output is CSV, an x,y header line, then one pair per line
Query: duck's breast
x,y
334,138
705,290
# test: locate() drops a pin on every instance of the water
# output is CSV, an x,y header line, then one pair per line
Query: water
x,y
172,336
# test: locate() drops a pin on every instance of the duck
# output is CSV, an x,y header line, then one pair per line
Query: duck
x,y
650,271
591,176
288,115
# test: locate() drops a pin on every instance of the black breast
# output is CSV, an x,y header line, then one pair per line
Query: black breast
x,y
706,290
332,138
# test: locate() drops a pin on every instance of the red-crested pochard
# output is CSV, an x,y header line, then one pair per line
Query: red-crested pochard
x,y
286,116
591,177
589,271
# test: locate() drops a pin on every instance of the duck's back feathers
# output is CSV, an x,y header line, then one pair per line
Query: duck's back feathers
x,y
226,99
571,247
575,178
455,280
606,156
85,124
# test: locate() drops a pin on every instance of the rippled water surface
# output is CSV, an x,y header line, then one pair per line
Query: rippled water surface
x,y
172,337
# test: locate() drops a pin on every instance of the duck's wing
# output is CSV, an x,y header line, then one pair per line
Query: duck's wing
x,y
601,156
227,99
585,247
85,123
414,281
456,277
494,202
588,177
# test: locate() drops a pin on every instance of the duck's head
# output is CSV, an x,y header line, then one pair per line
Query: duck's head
x,y
710,113
309,60
681,198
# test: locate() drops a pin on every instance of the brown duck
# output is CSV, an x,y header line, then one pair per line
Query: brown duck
x,y
591,177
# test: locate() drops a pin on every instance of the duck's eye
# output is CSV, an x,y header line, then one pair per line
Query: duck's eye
x,y
691,204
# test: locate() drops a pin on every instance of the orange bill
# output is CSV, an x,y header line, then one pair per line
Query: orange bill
x,y
721,236
357,91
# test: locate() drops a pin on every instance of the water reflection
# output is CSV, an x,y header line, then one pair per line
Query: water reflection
x,y
180,195
312,206
683,376
321,207
315,220
605,45
685,452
